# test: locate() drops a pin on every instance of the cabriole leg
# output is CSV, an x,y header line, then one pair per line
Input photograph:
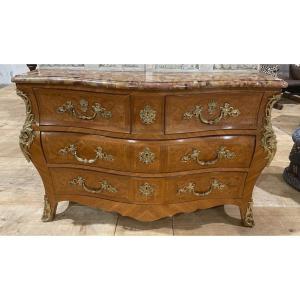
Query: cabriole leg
x,y
247,214
49,210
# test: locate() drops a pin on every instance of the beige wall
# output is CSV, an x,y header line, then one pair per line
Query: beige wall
x,y
160,67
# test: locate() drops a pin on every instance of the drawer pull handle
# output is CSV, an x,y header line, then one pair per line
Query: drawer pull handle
x,y
190,188
146,157
222,153
97,109
146,189
147,115
104,186
99,154
226,111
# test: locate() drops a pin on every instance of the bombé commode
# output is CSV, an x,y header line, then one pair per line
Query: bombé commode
x,y
148,146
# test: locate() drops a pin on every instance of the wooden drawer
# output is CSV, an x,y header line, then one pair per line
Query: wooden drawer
x,y
87,150
178,189
68,181
102,152
147,156
212,111
215,185
108,112
210,152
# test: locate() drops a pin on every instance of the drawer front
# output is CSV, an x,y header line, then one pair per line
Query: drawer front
x,y
214,185
87,150
210,152
108,112
212,111
68,181
177,189
147,156
138,190
102,152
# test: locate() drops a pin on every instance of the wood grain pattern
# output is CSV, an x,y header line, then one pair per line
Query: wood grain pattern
x,y
53,142
241,146
165,189
167,155
49,100
247,103
129,184
147,212
155,102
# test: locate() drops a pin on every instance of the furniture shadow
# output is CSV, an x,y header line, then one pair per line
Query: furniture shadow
x,y
215,215
84,215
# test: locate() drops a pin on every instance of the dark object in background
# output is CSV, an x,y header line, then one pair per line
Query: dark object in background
x,y
293,80
290,74
295,72
291,174
31,67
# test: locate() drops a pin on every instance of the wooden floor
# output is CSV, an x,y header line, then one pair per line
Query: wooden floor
x,y
276,205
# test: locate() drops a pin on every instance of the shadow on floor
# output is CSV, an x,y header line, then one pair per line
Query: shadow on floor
x,y
214,215
84,215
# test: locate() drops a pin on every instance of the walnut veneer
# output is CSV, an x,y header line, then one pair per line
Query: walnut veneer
x,y
148,146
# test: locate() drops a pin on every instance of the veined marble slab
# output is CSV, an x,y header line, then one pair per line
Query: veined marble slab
x,y
152,81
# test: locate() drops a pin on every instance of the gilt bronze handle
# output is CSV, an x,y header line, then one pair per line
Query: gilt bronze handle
x,y
191,186
226,111
222,153
97,110
104,186
100,155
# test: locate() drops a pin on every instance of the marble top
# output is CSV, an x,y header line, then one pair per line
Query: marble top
x,y
152,81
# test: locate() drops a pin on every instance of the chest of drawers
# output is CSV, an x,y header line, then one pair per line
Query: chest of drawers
x,y
148,146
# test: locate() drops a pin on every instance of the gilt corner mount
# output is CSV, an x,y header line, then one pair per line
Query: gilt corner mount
x,y
27,133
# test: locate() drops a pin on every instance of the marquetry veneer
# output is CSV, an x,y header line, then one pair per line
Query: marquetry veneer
x,y
148,146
